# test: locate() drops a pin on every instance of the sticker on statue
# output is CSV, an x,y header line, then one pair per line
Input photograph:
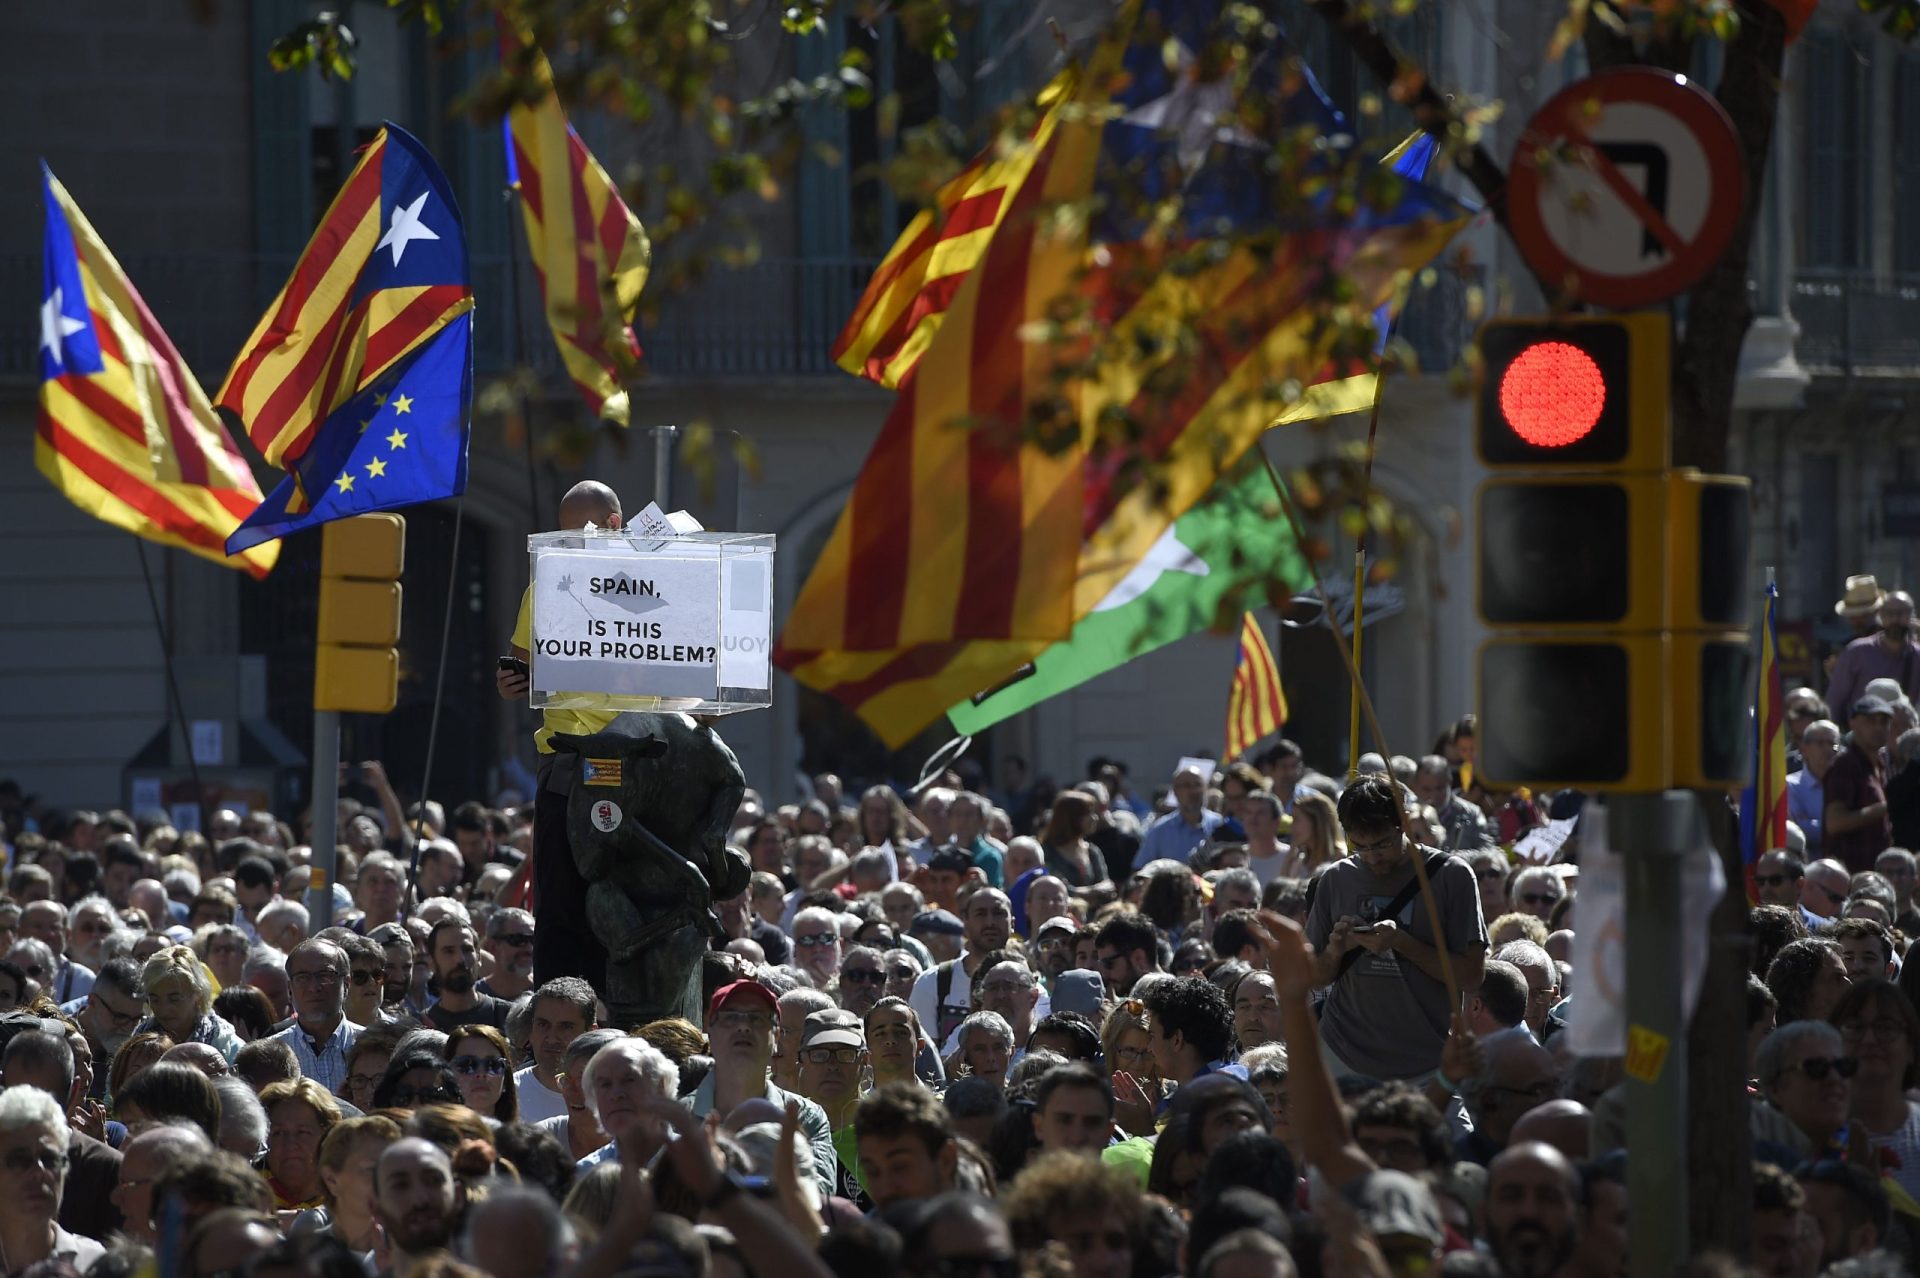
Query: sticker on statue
x,y
606,816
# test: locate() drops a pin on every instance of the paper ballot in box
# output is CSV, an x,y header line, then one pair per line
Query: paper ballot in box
x,y
648,619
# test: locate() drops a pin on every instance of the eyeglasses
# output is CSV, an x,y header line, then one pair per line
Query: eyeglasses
x,y
326,976
817,940
902,973
404,1095
491,1066
1539,898
862,976
1385,845
515,938
1835,897
119,1020
1886,1030
228,948
1129,1056
360,1082
1816,1068
26,1160
1489,873
831,1055
365,977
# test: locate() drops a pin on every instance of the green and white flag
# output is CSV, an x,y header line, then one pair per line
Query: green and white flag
x,y
1229,554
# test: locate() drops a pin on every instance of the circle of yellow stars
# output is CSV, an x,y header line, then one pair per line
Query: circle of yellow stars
x,y
377,467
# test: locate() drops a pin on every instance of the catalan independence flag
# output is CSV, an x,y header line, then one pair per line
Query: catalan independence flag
x,y
898,314
1763,805
589,251
1256,705
124,430
384,273
967,548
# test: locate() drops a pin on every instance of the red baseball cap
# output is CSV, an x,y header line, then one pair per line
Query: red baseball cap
x,y
739,990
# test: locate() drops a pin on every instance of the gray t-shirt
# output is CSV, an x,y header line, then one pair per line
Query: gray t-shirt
x,y
1385,1017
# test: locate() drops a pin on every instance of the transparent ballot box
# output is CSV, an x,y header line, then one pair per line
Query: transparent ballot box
x,y
641,620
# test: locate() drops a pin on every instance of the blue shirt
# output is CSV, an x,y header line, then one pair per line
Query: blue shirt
x,y
1171,838
1806,806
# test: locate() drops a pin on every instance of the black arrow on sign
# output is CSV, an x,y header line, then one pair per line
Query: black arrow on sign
x,y
1654,160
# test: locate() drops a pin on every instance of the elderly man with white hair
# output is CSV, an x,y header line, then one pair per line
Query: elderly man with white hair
x,y
282,923
33,1175
620,1076
1175,835
1536,890
91,924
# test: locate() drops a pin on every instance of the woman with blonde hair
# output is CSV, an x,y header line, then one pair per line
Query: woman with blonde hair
x,y
1316,839
299,1116
180,998
348,1153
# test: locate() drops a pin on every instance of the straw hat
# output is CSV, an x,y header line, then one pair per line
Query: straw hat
x,y
1862,598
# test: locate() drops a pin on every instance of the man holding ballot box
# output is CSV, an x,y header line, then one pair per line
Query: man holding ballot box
x,y
563,944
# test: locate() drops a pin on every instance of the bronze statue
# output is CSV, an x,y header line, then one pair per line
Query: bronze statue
x,y
648,821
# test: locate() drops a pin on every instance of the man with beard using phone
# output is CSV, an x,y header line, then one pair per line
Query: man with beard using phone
x,y
1533,1210
452,950
417,1200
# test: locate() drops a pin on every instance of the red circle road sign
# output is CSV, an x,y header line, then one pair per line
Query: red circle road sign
x,y
1625,187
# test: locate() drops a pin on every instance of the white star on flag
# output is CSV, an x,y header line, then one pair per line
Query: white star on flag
x,y
406,227
56,326
1191,112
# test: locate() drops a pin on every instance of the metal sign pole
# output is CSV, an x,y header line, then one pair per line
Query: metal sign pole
x,y
1654,833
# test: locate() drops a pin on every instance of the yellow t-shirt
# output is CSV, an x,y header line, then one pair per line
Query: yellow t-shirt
x,y
582,723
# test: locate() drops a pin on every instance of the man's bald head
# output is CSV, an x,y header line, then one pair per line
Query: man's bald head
x,y
1563,1124
590,502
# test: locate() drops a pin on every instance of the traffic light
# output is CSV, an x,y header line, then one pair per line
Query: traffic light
x,y
355,665
1613,584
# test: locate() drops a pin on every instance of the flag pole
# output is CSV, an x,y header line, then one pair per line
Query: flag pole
x,y
173,685
1360,566
439,687
517,338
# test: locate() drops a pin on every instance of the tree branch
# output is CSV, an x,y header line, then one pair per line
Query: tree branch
x,y
1431,111
1719,309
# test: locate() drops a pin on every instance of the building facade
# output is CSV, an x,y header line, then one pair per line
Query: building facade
x,y
205,170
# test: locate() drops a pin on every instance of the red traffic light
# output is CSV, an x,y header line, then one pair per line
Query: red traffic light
x,y
1552,394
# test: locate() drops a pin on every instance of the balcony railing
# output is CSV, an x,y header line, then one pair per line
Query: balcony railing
x,y
1854,322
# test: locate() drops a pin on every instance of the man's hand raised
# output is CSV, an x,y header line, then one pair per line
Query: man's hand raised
x,y
1289,956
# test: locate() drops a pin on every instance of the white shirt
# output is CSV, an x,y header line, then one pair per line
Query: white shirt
x,y
537,1101
328,1066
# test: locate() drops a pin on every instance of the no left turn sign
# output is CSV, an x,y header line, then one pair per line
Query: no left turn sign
x,y
1626,187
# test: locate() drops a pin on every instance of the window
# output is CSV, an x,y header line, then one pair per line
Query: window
x,y
1835,170
1906,164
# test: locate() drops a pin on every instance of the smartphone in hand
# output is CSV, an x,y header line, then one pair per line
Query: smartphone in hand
x,y
515,665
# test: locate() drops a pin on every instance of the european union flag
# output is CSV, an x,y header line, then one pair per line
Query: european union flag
x,y
401,441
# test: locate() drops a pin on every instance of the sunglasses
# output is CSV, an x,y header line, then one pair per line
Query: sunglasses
x,y
364,977
404,1096
1817,1067
492,1066
515,938
862,976
1540,898
817,941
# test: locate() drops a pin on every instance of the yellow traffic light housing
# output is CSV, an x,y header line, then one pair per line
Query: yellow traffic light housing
x,y
355,665
1614,584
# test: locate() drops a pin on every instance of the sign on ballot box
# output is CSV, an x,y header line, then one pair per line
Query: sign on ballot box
x,y
649,620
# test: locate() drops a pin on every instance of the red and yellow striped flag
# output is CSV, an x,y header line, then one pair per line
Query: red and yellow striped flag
x,y
1256,704
124,431
966,548
589,251
900,311
385,270
1763,805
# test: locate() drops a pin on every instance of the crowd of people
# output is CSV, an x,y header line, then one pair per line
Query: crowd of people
x,y
1254,1022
